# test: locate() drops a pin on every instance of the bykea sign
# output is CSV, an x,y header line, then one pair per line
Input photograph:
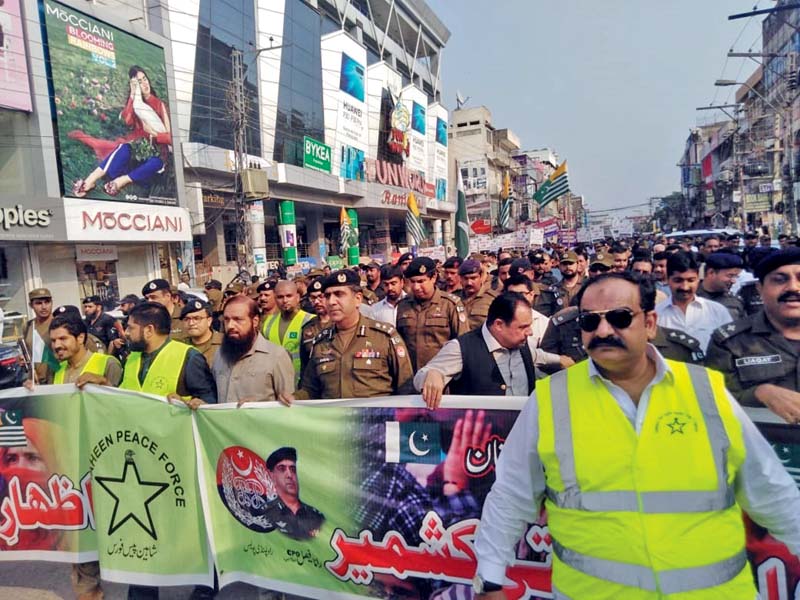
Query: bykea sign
x,y
316,155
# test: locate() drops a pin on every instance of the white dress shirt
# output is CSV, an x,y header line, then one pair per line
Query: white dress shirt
x,y
763,487
702,318
383,310
448,362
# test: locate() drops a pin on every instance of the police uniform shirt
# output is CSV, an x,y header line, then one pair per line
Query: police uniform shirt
x,y
427,326
310,330
750,352
104,328
374,363
678,345
177,332
302,525
195,379
734,305
563,335
210,347
477,306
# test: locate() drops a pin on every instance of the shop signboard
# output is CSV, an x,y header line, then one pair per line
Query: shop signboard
x,y
344,103
437,152
335,262
31,219
112,110
97,221
93,252
316,155
13,61
757,202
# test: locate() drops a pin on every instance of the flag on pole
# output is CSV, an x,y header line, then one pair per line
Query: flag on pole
x,y
414,224
346,232
553,187
504,216
462,221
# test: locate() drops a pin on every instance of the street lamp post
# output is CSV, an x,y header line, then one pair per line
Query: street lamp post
x,y
789,146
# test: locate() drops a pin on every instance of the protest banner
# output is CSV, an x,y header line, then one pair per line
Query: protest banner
x,y
372,498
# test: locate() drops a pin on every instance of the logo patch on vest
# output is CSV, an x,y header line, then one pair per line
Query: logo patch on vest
x,y
676,423
292,335
159,382
749,361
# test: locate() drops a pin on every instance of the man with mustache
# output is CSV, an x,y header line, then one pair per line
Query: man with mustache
x,y
759,354
684,310
637,459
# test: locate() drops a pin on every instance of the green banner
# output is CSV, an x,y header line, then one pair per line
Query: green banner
x,y
316,155
353,252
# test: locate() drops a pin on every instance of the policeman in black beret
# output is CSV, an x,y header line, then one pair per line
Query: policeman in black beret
x,y
321,320
198,318
721,272
286,512
159,290
759,354
101,325
266,300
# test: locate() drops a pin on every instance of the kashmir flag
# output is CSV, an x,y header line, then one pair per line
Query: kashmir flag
x,y
504,217
346,232
553,187
414,224
462,221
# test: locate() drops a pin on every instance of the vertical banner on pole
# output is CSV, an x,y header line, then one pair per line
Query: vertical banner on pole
x,y
287,229
353,252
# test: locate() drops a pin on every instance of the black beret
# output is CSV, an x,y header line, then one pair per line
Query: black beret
x,y
285,453
213,284
341,277
316,285
68,310
404,257
155,285
775,260
750,236
520,265
130,299
422,265
454,262
267,286
723,260
195,306
92,299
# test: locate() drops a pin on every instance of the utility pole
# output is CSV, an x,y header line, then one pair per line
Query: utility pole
x,y
237,104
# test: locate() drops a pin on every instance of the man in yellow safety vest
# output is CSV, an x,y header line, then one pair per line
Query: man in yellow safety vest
x,y
644,465
285,327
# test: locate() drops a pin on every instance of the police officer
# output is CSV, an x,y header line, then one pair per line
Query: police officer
x,y
99,323
266,299
451,280
197,317
158,290
759,354
356,357
428,317
320,321
570,279
722,270
476,294
287,513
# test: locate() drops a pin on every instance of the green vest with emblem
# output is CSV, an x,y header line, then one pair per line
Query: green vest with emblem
x,y
292,337
644,515
96,365
162,377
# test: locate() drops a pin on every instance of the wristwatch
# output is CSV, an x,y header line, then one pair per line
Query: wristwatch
x,y
479,586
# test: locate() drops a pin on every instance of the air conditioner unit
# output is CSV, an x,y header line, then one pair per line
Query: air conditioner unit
x,y
255,183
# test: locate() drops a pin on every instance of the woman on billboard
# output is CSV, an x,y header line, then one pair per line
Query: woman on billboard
x,y
140,155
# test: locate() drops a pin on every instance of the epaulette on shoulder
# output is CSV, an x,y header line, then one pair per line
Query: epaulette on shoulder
x,y
566,315
325,333
385,328
452,297
682,338
731,329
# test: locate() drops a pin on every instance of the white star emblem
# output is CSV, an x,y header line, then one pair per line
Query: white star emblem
x,y
731,327
240,454
424,437
683,337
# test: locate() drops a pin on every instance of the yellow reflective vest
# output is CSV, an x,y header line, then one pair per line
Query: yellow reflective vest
x,y
292,337
162,377
96,365
644,516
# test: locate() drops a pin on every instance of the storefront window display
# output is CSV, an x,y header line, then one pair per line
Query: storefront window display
x,y
13,301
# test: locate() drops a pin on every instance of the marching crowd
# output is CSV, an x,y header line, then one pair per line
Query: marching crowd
x,y
489,324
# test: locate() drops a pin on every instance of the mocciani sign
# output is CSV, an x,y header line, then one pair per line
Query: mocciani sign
x,y
91,220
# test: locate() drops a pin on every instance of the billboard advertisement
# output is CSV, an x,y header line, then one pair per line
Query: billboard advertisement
x,y
388,124
344,94
13,63
416,102
109,91
437,155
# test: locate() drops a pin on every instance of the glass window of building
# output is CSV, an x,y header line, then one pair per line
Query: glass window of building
x,y
224,25
300,96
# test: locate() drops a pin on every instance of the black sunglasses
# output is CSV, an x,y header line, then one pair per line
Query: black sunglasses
x,y
618,318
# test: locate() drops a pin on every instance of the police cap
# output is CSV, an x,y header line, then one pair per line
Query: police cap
x,y
422,265
285,453
92,300
213,284
130,299
602,259
154,286
454,262
346,277
569,257
775,260
266,286
68,310
469,267
39,293
195,305
316,285
404,257
520,265
234,287
723,260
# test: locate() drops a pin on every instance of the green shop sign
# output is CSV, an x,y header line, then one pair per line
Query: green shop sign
x,y
316,155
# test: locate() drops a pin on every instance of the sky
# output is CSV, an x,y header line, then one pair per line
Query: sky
x,y
612,86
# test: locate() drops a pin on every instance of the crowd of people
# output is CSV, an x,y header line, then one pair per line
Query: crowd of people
x,y
419,325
